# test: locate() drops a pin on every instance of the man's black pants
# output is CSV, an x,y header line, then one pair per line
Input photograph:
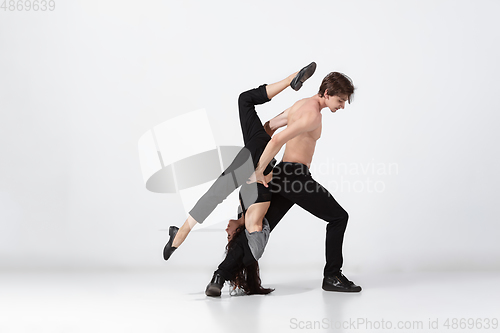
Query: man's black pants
x,y
293,184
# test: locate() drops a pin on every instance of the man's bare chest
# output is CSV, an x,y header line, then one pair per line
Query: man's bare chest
x,y
316,134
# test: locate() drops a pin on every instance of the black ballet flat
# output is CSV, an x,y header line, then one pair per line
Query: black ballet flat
x,y
303,75
169,249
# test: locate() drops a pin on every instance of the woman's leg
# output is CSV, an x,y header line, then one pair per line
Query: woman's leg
x,y
233,177
184,231
251,125
274,89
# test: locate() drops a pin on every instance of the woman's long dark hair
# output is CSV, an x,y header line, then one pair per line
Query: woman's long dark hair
x,y
247,278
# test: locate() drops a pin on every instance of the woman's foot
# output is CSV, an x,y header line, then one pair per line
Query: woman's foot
x,y
214,288
177,236
169,249
304,74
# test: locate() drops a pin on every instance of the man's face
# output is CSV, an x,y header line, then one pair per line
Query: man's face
x,y
335,102
231,228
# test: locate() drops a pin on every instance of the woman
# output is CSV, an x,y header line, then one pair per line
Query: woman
x,y
246,278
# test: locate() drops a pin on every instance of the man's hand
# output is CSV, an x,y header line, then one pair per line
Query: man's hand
x,y
258,177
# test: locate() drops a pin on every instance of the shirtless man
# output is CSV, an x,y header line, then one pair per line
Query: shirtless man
x,y
292,182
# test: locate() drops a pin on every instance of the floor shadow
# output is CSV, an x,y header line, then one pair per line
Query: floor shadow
x,y
390,280
292,288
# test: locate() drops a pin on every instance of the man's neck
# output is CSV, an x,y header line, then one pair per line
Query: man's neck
x,y
320,101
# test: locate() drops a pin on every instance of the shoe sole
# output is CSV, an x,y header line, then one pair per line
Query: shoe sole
x,y
354,290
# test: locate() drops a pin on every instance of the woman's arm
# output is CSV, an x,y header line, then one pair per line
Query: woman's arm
x,y
277,122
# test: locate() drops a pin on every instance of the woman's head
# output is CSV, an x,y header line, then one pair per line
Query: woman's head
x,y
233,225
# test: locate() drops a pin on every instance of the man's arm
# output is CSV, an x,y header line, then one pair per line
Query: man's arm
x,y
308,121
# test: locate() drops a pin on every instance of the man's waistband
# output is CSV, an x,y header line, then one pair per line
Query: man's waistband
x,y
291,168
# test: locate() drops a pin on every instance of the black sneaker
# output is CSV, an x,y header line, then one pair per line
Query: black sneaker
x,y
169,249
339,282
214,288
303,75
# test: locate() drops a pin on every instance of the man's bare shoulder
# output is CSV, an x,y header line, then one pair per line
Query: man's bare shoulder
x,y
306,107
305,114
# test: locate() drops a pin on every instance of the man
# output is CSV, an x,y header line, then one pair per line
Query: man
x,y
292,182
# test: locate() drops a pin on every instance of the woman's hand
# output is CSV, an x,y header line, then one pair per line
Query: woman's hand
x,y
258,177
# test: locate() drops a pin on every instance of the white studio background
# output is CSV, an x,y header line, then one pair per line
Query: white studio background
x,y
79,85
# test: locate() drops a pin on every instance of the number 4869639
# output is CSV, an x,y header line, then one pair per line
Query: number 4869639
x,y
28,5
